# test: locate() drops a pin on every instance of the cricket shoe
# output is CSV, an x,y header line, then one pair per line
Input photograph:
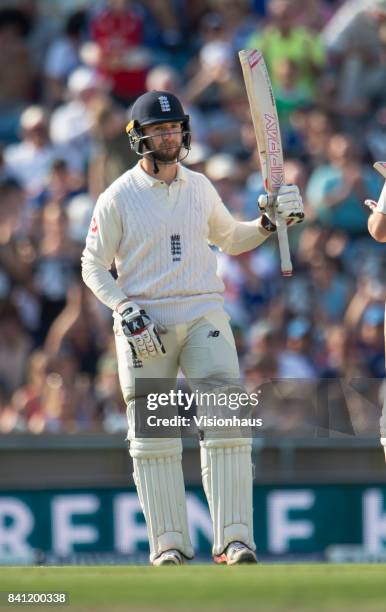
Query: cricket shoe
x,y
169,557
234,554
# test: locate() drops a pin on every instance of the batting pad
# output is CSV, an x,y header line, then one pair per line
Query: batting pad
x,y
161,491
226,468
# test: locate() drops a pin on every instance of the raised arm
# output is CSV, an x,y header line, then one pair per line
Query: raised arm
x,y
377,220
235,237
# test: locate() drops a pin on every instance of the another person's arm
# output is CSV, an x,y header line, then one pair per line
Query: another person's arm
x,y
377,229
377,220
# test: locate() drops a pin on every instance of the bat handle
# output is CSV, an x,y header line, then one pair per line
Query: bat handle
x,y
285,256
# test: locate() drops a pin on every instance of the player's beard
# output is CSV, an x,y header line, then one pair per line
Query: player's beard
x,y
167,155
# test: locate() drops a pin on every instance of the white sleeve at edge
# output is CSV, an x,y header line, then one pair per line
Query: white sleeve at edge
x,y
381,206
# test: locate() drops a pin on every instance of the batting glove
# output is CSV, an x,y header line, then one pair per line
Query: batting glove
x,y
141,332
377,206
288,205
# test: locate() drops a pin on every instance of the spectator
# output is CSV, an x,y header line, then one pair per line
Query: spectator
x,y
281,39
166,78
371,339
31,160
55,266
263,339
214,65
27,400
77,331
336,191
198,156
353,38
111,408
118,31
354,27
315,14
11,421
296,361
290,94
317,132
15,346
222,170
64,407
343,358
16,72
238,20
63,57
331,290
61,186
15,265
71,123
110,155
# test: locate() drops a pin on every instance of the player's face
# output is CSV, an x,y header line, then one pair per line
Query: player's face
x,y
164,140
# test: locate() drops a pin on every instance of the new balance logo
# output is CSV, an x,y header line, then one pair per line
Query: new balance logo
x,y
164,103
175,247
214,333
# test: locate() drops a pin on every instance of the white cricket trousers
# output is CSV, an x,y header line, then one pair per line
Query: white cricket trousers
x,y
203,348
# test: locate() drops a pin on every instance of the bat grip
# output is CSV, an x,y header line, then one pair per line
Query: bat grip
x,y
285,256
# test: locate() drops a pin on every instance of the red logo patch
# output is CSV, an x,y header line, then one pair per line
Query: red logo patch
x,y
93,225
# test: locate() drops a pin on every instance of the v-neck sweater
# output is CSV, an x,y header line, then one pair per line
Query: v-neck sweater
x,y
160,237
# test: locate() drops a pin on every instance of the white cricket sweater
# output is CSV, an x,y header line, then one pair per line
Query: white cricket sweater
x,y
162,255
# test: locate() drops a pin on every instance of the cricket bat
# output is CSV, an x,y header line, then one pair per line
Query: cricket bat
x,y
381,167
267,130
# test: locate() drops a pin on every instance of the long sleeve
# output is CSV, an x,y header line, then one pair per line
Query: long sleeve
x,y
377,220
381,206
232,236
102,243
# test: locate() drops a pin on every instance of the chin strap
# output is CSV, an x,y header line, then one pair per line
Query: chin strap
x,y
179,158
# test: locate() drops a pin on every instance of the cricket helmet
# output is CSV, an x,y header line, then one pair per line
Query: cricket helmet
x,y
156,107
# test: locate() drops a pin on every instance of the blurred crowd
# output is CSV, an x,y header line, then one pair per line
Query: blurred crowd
x,y
69,72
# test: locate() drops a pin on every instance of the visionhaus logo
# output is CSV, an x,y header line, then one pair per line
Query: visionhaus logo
x,y
203,421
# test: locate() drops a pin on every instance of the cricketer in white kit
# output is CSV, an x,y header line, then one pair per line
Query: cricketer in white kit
x,y
377,229
157,221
